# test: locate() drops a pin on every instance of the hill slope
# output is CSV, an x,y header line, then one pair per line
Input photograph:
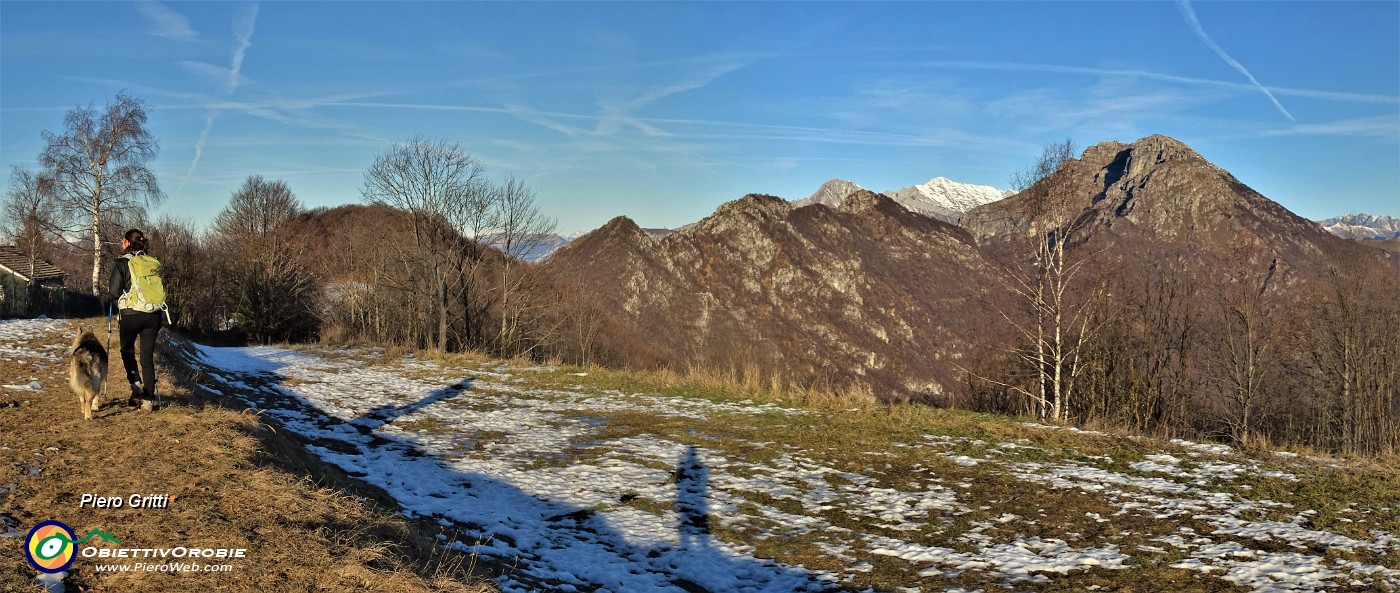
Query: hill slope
x,y
859,291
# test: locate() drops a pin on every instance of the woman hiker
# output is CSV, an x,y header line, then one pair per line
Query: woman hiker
x,y
141,301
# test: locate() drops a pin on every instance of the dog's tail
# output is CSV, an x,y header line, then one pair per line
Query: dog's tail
x,y
92,367
95,373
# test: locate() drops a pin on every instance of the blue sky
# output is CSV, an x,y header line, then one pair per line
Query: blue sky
x,y
662,111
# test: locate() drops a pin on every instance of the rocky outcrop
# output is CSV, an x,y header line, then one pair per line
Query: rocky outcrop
x,y
831,194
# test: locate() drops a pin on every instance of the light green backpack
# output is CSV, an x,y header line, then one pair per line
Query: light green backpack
x,y
147,292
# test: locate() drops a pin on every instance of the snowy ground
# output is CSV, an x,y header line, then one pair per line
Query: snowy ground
x,y
15,332
546,479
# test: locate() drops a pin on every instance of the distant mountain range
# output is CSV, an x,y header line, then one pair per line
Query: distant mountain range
x,y
940,198
1363,226
870,289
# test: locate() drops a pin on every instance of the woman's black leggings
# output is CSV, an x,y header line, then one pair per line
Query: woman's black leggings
x,y
144,326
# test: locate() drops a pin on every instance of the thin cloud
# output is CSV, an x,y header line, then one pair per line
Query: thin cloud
x,y
1384,126
1190,14
716,129
217,74
617,114
1104,72
528,115
166,22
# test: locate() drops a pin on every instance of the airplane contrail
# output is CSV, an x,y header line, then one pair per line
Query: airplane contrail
x,y
243,26
1190,14
243,32
198,150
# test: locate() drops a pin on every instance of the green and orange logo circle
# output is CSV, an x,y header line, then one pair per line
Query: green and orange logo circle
x,y
51,547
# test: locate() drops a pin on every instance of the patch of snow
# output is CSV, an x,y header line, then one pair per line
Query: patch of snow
x,y
52,582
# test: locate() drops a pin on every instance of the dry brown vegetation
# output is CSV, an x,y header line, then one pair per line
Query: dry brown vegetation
x,y
1136,286
233,481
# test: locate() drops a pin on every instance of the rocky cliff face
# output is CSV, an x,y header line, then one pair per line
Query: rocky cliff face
x,y
831,194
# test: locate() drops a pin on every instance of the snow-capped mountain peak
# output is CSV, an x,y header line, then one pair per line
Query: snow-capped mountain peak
x,y
940,197
945,199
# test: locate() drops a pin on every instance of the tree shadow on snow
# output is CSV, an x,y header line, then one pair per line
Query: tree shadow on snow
x,y
541,544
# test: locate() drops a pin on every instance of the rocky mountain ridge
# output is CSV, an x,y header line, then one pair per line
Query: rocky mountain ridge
x,y
1159,192
854,291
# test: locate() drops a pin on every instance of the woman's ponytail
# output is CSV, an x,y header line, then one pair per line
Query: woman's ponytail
x,y
136,241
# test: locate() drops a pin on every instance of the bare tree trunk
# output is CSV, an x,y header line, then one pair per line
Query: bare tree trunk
x,y
442,317
97,247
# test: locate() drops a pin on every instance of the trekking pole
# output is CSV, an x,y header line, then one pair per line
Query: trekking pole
x,y
155,388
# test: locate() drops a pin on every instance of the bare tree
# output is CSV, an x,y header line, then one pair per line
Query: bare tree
x,y
1354,356
1059,317
522,228
187,272
1163,305
270,290
1247,353
257,210
30,214
98,166
1051,158
439,191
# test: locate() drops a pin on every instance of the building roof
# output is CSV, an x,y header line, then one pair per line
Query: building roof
x,y
14,260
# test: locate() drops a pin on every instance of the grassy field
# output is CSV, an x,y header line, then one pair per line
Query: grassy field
x,y
861,495
1351,498
366,469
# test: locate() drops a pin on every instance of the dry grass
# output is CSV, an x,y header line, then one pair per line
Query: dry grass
x,y
355,547
234,482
